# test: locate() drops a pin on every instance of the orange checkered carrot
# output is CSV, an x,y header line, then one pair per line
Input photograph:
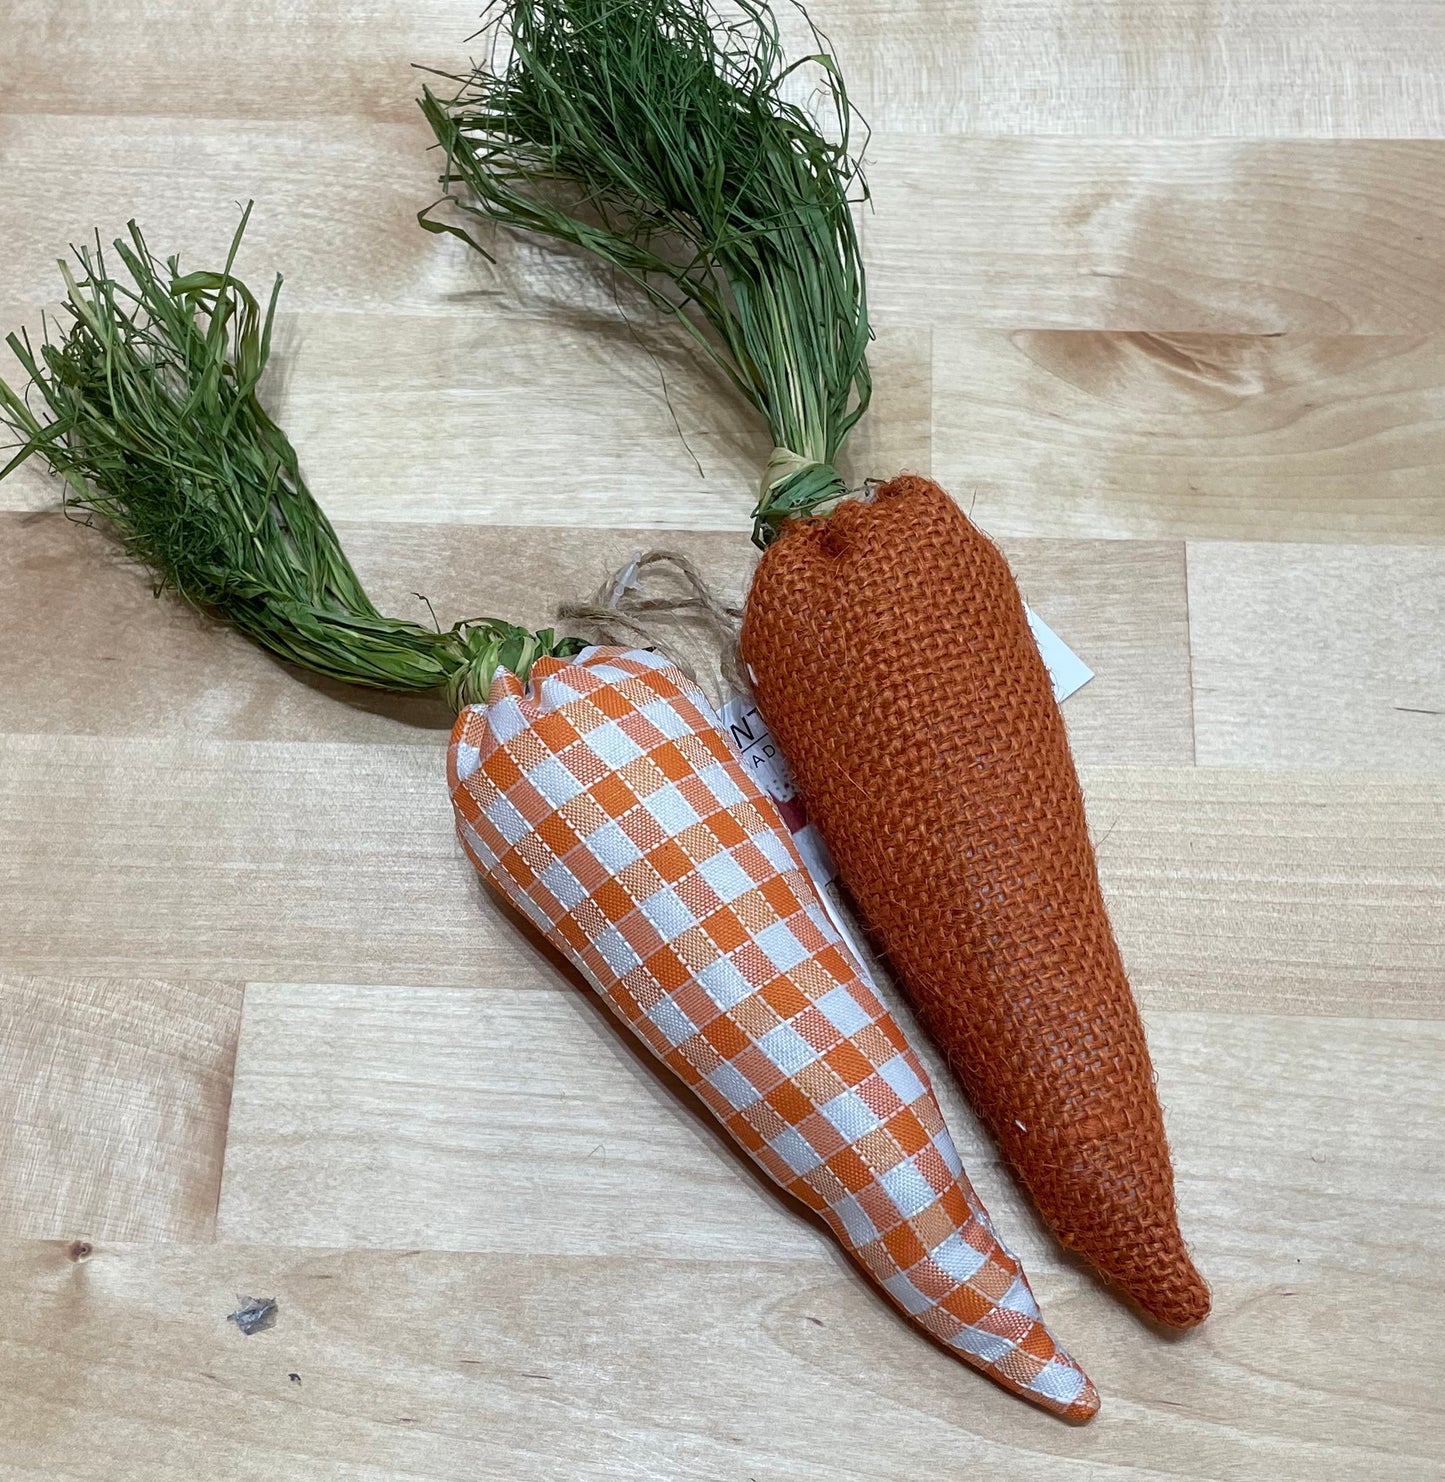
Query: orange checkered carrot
x,y
890,651
594,788
604,800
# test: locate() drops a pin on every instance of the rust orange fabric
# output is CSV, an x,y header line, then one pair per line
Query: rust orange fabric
x,y
893,661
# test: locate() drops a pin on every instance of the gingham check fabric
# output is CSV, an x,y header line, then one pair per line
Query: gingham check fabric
x,y
606,802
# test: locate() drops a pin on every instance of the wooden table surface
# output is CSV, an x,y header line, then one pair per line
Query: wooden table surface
x,y
1159,292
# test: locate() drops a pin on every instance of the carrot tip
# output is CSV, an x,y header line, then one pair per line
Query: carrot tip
x,y
1174,1294
1085,1407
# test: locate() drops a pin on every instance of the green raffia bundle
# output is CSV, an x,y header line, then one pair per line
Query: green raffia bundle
x,y
686,168
885,635
155,426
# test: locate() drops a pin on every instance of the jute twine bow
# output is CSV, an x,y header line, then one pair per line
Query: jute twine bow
x,y
657,597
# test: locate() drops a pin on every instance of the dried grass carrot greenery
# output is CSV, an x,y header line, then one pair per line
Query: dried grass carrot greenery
x,y
656,134
153,421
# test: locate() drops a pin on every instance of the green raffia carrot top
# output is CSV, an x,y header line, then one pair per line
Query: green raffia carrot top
x,y
155,427
687,169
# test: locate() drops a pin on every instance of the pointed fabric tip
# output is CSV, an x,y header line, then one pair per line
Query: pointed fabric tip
x,y
1178,1297
1157,1275
605,801
1127,1227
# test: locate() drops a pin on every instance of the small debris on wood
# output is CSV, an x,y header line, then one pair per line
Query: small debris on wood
x,y
254,1314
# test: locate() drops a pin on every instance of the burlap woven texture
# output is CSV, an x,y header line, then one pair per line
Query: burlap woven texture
x,y
893,661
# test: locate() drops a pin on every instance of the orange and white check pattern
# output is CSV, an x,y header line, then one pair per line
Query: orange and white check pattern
x,y
606,802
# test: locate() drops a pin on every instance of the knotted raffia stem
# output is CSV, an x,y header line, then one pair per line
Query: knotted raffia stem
x,y
794,485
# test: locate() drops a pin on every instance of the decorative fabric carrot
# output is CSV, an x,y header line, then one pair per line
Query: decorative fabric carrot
x,y
594,788
885,634
608,805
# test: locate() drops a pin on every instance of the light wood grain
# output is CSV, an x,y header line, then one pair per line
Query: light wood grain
x,y
71,605
1144,272
514,1122
450,1366
484,1119
338,864
335,206
1282,633
1306,1142
596,415
1286,437
1154,67
1260,893
90,650
340,59
1096,596
244,859
1058,67
114,1098
1164,236
556,418
1056,233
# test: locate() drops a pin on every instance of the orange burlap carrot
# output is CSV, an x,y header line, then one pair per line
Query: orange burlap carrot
x,y
604,800
894,663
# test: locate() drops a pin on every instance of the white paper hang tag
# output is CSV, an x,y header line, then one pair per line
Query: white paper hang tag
x,y
1067,671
